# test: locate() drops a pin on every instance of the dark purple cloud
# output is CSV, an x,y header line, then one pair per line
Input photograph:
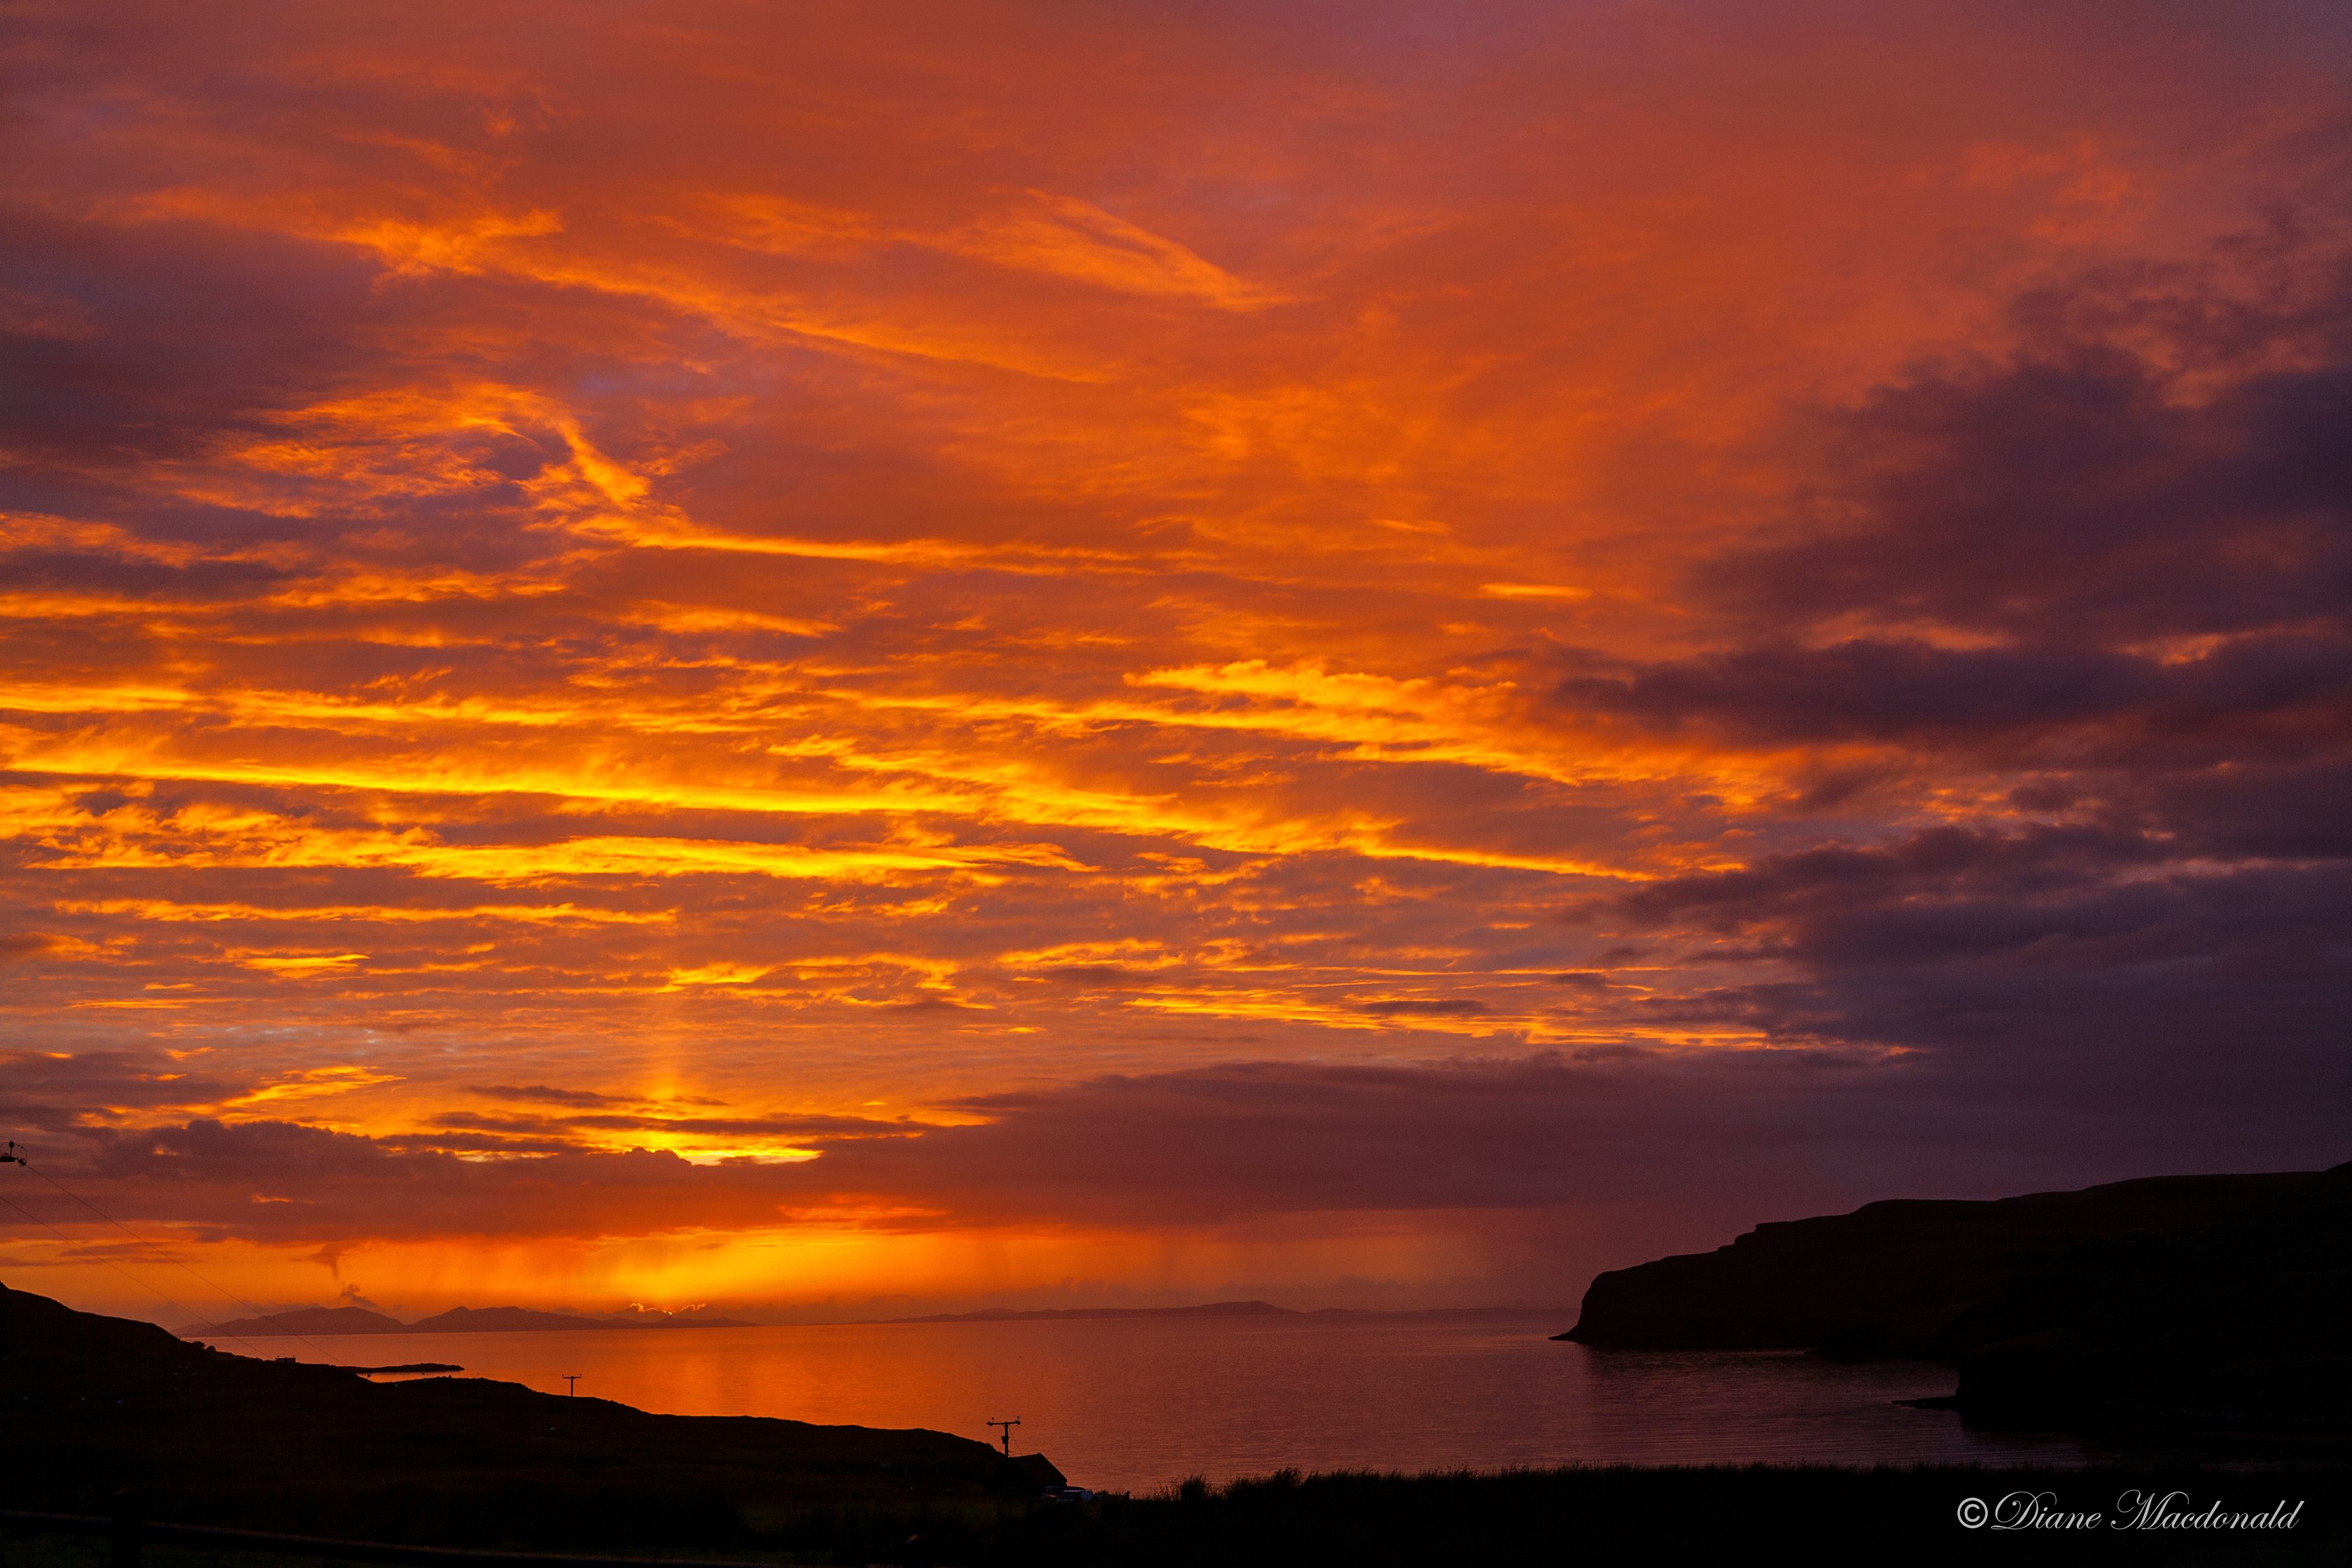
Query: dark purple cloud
x,y
1786,1131
811,1126
2080,498
58,1090
2104,588
286,1182
545,1094
2128,528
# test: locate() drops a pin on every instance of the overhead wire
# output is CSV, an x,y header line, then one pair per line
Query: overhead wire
x,y
165,1257
61,1235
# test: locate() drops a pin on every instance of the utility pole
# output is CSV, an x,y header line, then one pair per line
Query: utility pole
x,y
1007,1427
570,1381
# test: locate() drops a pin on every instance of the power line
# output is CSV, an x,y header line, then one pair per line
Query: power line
x,y
165,1257
184,1268
61,1235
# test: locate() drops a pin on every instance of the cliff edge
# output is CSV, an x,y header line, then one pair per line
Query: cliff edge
x,y
2200,1300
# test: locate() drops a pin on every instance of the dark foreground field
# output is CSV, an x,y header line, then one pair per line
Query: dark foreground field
x,y
93,1408
1596,1516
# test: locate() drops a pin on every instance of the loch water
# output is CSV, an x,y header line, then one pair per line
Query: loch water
x,y
1141,1403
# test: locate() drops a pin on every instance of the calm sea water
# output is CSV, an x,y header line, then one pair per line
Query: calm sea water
x,y
1141,1403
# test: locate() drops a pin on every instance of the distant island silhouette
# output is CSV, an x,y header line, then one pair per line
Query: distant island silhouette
x,y
1010,1315
2176,1302
322,1320
303,1321
1210,1309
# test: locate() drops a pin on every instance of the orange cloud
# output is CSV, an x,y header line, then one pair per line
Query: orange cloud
x,y
766,578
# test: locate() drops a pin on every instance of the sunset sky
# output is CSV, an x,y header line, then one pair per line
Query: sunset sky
x,y
824,655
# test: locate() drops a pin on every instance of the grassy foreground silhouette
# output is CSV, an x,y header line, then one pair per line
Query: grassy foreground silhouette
x,y
1588,1516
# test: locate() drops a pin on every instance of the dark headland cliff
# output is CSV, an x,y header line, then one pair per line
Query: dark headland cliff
x,y
2185,1301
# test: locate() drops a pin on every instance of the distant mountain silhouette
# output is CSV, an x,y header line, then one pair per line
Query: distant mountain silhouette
x,y
302,1320
504,1320
456,1320
2198,1300
1007,1315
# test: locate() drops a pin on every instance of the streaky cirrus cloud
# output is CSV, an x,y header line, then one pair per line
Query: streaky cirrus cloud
x,y
744,636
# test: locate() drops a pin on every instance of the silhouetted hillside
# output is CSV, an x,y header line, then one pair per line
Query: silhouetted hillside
x,y
2196,1299
94,1404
